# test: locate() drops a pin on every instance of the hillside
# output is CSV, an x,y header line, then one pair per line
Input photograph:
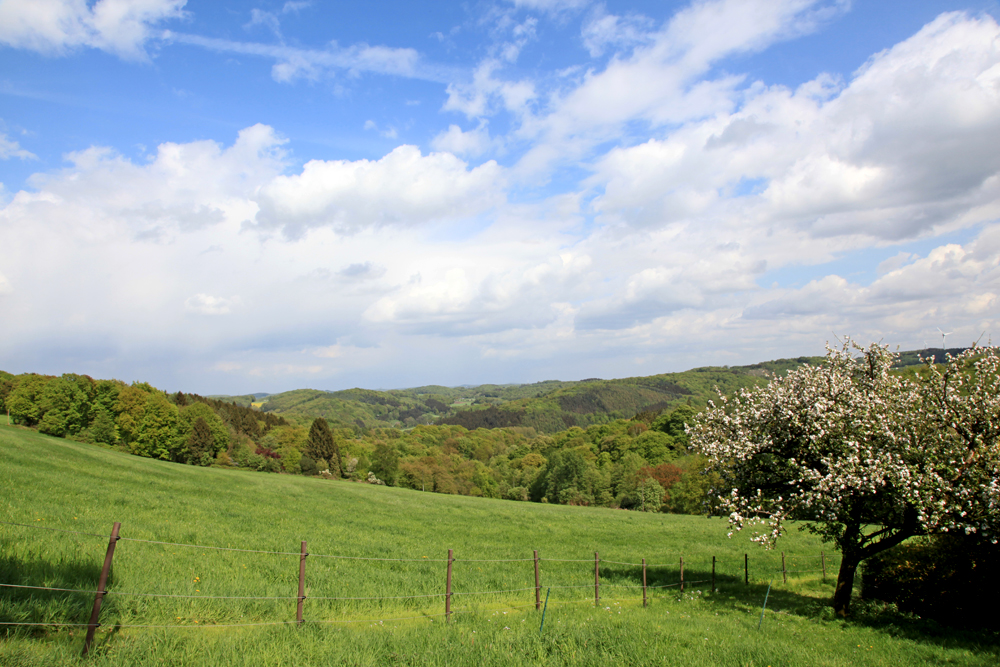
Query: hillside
x,y
357,611
547,407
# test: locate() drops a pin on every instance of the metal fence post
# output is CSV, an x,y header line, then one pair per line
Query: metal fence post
x,y
302,584
643,582
447,594
538,585
597,580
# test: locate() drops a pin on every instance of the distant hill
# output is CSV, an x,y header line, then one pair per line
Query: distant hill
x,y
548,407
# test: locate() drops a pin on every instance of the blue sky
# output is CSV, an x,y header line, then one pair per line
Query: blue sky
x,y
225,197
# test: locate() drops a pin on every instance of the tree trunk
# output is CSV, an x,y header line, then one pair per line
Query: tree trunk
x,y
845,584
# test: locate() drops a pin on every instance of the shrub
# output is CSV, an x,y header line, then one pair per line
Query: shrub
x,y
308,465
954,579
517,493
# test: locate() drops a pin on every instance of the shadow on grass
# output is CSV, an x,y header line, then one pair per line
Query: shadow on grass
x,y
808,598
31,605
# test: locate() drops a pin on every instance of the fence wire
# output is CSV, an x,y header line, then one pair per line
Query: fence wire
x,y
724,565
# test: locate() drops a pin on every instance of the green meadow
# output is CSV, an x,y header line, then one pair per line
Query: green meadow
x,y
381,553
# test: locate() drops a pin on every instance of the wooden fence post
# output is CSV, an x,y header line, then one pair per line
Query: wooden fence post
x,y
822,559
447,593
784,573
713,574
746,569
682,574
99,597
643,582
538,585
597,580
302,584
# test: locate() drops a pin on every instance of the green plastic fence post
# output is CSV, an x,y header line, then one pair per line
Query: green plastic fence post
x,y
544,609
765,604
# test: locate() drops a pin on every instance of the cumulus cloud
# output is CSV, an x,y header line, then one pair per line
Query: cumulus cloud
x,y
403,188
122,27
183,187
659,256
910,146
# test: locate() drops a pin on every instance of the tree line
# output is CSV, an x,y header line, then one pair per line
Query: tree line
x,y
641,463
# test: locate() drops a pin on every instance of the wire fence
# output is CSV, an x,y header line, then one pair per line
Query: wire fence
x,y
635,573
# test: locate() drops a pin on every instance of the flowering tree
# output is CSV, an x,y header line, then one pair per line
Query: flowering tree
x,y
864,456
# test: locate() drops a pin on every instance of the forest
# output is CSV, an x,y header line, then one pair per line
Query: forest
x,y
609,443
637,463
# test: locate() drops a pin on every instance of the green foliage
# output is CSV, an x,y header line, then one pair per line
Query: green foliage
x,y
187,416
308,465
200,444
385,462
692,493
649,495
156,433
130,406
24,400
547,407
323,445
103,429
954,579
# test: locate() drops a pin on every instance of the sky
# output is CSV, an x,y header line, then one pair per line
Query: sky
x,y
233,197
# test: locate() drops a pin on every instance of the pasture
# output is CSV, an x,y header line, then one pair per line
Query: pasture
x,y
173,601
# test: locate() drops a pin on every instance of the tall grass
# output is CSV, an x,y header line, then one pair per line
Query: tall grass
x,y
57,484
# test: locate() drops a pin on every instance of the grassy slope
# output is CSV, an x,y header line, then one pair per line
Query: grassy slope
x,y
61,484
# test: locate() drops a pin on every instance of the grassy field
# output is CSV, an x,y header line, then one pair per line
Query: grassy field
x,y
56,484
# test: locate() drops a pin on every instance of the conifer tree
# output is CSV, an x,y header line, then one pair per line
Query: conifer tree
x,y
200,442
322,445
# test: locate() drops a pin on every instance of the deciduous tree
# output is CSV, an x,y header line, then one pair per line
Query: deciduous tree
x,y
865,457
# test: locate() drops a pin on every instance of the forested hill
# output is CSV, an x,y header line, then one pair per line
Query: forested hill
x,y
615,443
548,406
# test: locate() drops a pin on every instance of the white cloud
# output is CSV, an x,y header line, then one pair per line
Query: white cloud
x,y
184,187
551,5
661,83
472,143
122,27
602,31
206,304
486,93
268,20
403,188
293,63
831,160
421,267
10,148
